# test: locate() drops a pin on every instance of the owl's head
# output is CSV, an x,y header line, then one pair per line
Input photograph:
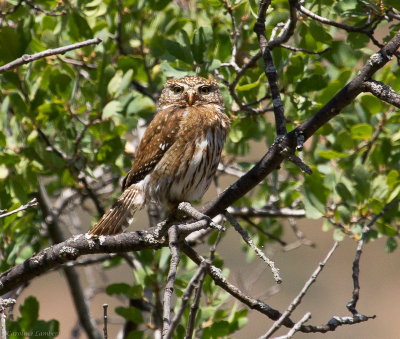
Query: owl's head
x,y
190,91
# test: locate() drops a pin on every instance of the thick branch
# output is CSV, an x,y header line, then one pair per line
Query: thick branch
x,y
273,159
73,248
27,58
382,91
270,70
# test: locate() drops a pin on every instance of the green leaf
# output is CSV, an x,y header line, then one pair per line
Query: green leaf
x,y
169,71
357,40
393,3
392,178
135,334
338,234
331,154
361,176
11,44
78,27
113,108
361,131
47,329
247,87
210,66
118,288
344,213
371,103
130,313
201,38
315,195
386,229
115,83
313,83
110,150
394,194
178,51
344,192
2,139
295,70
3,172
29,312
320,33
391,244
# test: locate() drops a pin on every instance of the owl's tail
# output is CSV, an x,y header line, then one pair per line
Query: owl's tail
x,y
120,213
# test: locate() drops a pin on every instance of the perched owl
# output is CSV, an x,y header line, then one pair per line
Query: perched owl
x,y
178,154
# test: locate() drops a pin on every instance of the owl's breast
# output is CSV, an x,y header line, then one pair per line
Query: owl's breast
x,y
186,170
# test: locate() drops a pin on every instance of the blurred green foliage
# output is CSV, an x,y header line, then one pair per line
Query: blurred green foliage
x,y
63,117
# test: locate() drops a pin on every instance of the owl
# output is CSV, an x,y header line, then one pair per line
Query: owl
x,y
178,154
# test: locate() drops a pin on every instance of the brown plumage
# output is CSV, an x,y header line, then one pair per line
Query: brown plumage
x,y
178,154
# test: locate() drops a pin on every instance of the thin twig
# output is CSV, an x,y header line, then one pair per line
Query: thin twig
x,y
288,28
105,306
296,327
190,211
269,235
304,50
11,11
31,203
351,306
194,281
4,303
249,241
27,58
39,9
91,261
296,301
323,20
169,287
235,35
302,240
266,212
195,307
270,70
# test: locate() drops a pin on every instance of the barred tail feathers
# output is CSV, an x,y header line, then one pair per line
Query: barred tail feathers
x,y
120,213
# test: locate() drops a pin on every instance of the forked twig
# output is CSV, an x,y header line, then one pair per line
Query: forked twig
x,y
27,58
296,301
169,287
249,241
31,203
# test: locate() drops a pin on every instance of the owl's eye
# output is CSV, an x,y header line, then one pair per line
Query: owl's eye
x,y
204,89
178,89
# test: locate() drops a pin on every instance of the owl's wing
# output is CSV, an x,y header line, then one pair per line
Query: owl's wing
x,y
157,139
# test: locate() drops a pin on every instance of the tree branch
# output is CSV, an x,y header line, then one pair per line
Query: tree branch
x,y
382,91
247,239
273,158
27,58
76,289
270,70
173,267
31,203
296,301
351,306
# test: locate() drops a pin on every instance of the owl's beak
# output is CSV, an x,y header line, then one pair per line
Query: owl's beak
x,y
190,98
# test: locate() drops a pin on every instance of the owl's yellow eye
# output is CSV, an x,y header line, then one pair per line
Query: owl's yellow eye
x,y
178,89
204,89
